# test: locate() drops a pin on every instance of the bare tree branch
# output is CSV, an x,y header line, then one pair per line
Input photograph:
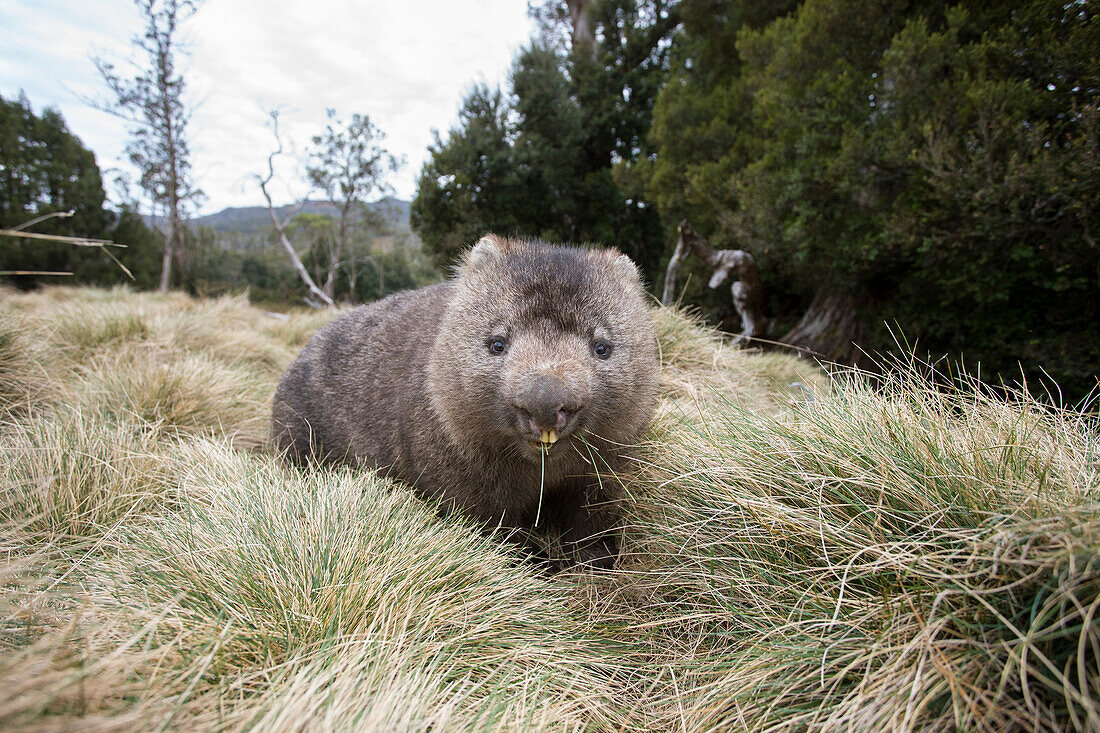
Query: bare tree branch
x,y
280,226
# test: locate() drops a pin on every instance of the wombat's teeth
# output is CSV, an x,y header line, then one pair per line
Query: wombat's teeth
x,y
547,439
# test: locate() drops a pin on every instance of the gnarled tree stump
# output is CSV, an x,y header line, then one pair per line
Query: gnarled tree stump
x,y
746,289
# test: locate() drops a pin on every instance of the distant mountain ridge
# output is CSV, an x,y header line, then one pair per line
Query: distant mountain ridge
x,y
255,219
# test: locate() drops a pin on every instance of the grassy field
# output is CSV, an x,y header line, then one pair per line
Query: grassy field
x,y
832,556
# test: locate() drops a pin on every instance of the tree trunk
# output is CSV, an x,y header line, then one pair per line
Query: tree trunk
x,y
173,242
668,296
353,282
303,273
584,35
830,329
330,277
339,246
166,261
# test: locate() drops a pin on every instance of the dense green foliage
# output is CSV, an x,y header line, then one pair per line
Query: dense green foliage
x,y
45,169
931,167
936,163
553,158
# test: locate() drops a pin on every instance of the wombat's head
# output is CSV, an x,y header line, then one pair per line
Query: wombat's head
x,y
544,347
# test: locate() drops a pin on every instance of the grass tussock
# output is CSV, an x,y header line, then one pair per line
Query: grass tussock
x,y
698,364
893,558
827,555
183,393
71,475
330,570
22,381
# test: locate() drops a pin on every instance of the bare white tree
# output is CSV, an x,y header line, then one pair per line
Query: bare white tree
x,y
318,296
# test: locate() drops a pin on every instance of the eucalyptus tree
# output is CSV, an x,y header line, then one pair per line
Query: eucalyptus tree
x,y
151,98
348,164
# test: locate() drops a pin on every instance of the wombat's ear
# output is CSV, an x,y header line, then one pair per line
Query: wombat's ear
x,y
624,268
488,248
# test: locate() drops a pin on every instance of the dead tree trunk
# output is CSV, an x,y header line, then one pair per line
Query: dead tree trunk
x,y
746,289
830,329
280,226
668,296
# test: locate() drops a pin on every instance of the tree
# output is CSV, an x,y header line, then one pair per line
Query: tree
x,y
45,168
583,118
988,202
703,134
911,163
46,171
151,100
471,183
348,164
553,159
318,296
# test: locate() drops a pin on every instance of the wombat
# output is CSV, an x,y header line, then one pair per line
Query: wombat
x,y
499,393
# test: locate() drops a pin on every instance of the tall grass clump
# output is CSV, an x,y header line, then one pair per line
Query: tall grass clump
x,y
83,330
182,393
18,383
188,366
74,475
876,558
303,575
230,330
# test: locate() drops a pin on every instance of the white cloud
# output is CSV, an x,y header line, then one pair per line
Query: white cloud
x,y
406,64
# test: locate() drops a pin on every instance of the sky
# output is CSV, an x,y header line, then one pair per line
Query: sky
x,y
406,64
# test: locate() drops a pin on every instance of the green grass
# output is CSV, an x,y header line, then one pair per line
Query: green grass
x,y
838,556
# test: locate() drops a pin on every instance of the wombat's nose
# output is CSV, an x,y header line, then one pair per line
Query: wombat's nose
x,y
547,404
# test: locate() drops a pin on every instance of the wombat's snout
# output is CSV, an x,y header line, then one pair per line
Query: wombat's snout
x,y
547,405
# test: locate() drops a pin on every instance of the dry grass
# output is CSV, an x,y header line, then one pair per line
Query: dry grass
x,y
875,559
829,557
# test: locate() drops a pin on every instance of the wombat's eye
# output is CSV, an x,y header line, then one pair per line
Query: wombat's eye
x,y
496,346
602,349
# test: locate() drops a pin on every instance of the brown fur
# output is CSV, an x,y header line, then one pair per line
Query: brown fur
x,y
411,385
